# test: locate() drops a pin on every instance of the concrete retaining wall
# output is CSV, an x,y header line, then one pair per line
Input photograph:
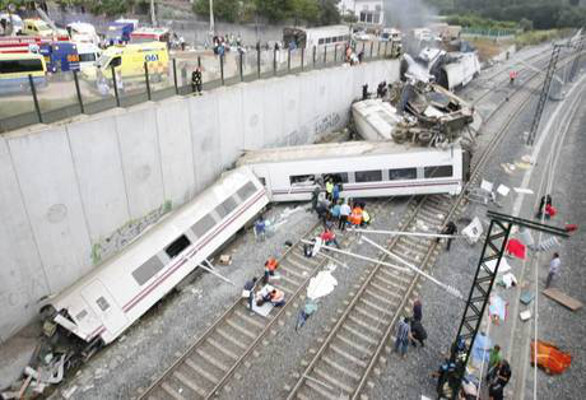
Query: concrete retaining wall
x,y
75,194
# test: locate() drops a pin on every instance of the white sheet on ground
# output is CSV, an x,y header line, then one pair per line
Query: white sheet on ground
x,y
503,268
321,285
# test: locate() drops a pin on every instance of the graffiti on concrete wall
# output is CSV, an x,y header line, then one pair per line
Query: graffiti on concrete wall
x,y
110,245
327,124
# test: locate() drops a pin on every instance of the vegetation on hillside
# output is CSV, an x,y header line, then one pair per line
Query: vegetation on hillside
x,y
540,14
311,12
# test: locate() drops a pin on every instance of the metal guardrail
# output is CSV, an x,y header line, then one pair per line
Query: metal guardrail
x,y
69,94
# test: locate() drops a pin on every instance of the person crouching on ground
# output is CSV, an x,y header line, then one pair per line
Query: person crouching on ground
x,y
277,298
329,238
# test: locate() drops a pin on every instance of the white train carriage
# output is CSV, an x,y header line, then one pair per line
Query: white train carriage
x,y
109,299
365,169
375,119
460,71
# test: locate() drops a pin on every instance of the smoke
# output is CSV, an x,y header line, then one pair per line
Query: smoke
x,y
408,14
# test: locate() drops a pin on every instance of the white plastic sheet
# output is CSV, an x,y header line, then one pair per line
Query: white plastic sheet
x,y
321,285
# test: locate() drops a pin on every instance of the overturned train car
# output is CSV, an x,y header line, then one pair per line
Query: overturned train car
x,y
103,304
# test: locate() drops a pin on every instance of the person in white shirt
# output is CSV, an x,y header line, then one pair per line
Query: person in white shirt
x,y
554,269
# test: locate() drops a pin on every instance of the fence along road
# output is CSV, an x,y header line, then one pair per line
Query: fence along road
x,y
68,95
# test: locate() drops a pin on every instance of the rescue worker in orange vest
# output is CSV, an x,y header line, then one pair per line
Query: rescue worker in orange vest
x,y
277,298
270,267
356,216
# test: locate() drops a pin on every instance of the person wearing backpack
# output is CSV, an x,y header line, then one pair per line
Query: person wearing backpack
x,y
418,333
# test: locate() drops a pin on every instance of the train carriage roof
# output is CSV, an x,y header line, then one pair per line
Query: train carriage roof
x,y
333,150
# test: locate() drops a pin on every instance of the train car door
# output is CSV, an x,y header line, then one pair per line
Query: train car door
x,y
103,304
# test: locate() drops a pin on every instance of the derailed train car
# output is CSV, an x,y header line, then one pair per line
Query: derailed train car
x,y
103,304
365,169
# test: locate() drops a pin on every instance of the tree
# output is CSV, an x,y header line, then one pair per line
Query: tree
x,y
306,10
329,14
226,10
526,25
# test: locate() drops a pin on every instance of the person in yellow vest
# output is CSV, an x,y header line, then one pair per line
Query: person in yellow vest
x,y
329,190
365,218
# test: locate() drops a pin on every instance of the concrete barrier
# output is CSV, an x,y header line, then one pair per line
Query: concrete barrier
x,y
74,194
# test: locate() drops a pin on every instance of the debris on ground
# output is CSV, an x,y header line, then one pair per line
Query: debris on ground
x,y
516,248
563,299
473,231
525,315
527,297
497,309
550,358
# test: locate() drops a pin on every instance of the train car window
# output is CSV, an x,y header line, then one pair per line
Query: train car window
x,y
147,270
338,177
202,226
302,180
246,191
175,248
402,173
368,176
81,315
439,171
226,207
102,303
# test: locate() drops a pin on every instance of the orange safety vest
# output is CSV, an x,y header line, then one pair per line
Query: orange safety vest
x,y
272,264
356,216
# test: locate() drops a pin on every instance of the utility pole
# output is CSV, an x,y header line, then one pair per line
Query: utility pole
x,y
153,14
212,27
493,250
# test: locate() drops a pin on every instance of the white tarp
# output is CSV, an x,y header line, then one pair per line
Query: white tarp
x,y
321,285
504,267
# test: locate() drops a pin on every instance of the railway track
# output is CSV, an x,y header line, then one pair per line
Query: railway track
x,y
213,357
358,338
344,362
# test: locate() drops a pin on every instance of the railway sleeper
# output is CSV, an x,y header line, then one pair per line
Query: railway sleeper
x,y
201,371
389,283
352,344
187,382
348,356
291,270
222,349
420,244
374,306
356,332
165,387
288,279
333,381
373,297
366,326
404,277
321,390
238,327
252,319
362,311
231,339
340,368
212,360
306,264
386,290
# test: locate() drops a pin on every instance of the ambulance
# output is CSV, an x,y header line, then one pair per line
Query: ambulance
x,y
128,62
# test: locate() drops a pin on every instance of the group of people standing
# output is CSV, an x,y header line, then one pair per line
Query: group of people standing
x,y
411,330
333,210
